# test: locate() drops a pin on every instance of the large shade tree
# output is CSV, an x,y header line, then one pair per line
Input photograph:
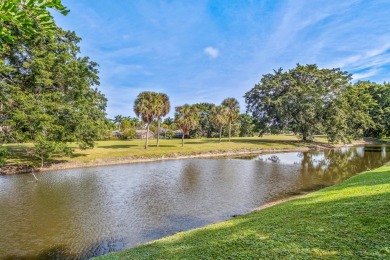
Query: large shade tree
x,y
163,108
233,111
48,94
302,99
186,118
146,106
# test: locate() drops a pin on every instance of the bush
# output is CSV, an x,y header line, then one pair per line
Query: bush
x,y
3,155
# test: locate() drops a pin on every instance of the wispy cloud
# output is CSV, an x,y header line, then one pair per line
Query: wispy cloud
x,y
211,52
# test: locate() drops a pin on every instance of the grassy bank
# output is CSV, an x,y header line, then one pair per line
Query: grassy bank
x,y
348,221
134,149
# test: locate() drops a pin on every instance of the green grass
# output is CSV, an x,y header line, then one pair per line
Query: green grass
x,y
350,220
119,149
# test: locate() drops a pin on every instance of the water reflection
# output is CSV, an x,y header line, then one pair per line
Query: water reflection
x,y
80,213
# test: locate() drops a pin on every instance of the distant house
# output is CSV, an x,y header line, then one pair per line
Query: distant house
x,y
116,133
141,134
178,133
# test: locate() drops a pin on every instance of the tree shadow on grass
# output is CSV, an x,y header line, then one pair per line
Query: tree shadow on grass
x,y
117,146
97,248
164,145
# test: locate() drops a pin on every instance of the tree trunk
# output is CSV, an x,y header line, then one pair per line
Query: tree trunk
x,y
158,132
182,140
220,133
230,129
147,137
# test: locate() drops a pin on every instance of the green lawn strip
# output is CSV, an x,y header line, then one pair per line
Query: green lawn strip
x,y
117,149
350,220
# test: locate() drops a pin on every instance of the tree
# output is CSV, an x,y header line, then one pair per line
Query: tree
x,y
118,120
219,116
297,99
126,129
346,118
233,110
186,118
380,110
163,108
169,121
246,125
146,106
206,127
48,96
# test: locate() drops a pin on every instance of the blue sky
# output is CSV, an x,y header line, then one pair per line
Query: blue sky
x,y
205,51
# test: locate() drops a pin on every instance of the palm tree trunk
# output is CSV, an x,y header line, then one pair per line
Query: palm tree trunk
x,y
182,140
158,132
220,133
147,137
230,129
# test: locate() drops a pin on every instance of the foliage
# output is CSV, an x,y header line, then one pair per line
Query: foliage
x,y
26,17
346,118
380,111
346,221
219,116
3,155
163,108
147,106
206,126
44,149
186,118
47,94
127,130
233,110
246,125
169,121
301,98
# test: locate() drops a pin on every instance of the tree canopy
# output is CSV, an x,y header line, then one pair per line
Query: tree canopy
x,y
147,107
26,18
308,100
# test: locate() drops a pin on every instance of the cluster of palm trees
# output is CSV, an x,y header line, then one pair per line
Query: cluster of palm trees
x,y
151,106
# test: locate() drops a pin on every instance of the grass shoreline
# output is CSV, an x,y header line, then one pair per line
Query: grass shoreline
x,y
124,152
348,220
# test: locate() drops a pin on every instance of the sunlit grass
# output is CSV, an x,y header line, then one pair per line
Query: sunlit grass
x,y
347,221
118,149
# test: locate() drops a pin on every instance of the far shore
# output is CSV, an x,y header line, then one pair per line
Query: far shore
x,y
282,146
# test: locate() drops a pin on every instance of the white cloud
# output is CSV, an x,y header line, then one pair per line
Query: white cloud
x,y
211,52
364,75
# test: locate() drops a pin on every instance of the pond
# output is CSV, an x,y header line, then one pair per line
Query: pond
x,y
81,213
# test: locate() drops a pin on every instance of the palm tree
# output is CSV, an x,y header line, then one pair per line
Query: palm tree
x,y
233,110
219,117
163,109
146,107
118,120
186,118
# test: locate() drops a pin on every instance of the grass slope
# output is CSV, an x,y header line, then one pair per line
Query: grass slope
x,y
350,220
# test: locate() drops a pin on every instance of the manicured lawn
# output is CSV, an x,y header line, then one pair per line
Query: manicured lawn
x,y
118,149
350,220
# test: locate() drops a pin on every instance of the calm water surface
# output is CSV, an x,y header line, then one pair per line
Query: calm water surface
x,y
80,213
